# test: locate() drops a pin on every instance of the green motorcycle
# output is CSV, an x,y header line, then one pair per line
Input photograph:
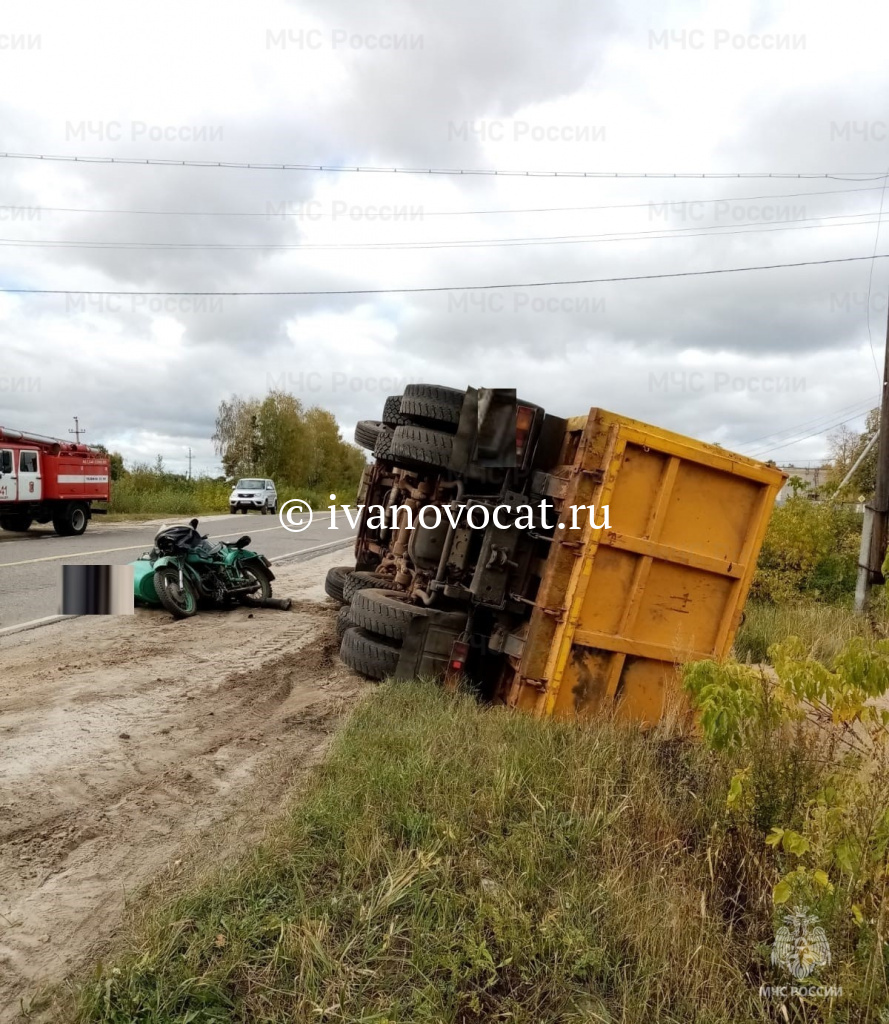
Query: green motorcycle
x,y
184,568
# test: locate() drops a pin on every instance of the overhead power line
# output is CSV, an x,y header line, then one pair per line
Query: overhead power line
x,y
711,231
461,171
302,214
805,437
446,288
815,420
816,426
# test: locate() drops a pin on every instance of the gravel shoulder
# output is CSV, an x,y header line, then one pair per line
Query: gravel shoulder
x,y
130,744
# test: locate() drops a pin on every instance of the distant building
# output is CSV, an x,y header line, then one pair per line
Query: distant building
x,y
814,476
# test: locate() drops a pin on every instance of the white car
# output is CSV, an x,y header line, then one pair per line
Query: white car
x,y
254,494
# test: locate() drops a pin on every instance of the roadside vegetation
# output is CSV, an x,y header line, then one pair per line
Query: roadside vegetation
x,y
456,863
805,582
276,437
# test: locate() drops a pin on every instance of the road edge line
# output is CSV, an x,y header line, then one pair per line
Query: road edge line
x,y
295,556
21,627
318,548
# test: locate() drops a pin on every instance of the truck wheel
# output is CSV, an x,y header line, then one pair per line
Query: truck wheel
x,y
418,446
180,602
367,432
16,523
384,443
343,621
392,415
365,581
384,612
71,520
433,406
370,655
333,584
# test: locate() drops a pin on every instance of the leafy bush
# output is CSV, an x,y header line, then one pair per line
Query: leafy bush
x,y
809,745
146,492
810,550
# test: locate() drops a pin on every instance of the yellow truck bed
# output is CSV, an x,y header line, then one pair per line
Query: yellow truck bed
x,y
619,607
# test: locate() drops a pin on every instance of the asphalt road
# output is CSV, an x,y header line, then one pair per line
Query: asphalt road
x,y
30,573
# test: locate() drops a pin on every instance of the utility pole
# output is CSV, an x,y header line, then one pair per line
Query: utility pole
x,y
78,430
876,515
189,462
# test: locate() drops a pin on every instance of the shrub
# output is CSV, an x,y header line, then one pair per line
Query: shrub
x,y
810,550
809,746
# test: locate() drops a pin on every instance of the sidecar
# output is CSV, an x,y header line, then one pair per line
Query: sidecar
x,y
143,581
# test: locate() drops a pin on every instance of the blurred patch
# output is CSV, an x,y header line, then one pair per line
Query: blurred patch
x,y
97,590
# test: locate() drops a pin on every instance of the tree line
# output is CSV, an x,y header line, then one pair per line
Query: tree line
x,y
277,437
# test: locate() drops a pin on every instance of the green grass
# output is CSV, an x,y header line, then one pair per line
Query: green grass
x,y
823,628
451,863
151,497
154,496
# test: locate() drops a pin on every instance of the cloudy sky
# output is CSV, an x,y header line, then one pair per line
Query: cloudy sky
x,y
756,361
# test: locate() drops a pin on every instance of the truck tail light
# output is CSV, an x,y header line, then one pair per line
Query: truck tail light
x,y
524,419
456,664
459,654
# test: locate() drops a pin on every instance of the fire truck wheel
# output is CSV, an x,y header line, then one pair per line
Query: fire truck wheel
x,y
372,656
367,432
384,612
364,581
16,524
71,520
418,447
392,415
336,578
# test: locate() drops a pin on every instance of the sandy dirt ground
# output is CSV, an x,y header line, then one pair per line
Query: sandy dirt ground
x,y
130,743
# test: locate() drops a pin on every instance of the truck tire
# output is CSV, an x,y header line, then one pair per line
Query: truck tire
x,y
71,519
384,443
419,446
16,523
433,406
392,415
370,655
333,584
367,432
384,612
363,581
343,621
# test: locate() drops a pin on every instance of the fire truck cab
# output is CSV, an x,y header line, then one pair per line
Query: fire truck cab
x,y
43,479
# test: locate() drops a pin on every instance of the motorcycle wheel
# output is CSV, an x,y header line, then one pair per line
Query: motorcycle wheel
x,y
180,602
258,573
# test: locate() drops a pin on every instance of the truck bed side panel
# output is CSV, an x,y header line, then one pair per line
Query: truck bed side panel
x,y
620,607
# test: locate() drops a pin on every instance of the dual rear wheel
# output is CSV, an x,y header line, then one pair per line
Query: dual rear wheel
x,y
69,520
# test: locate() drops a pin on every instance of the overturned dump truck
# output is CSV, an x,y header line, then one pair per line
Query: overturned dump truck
x,y
556,565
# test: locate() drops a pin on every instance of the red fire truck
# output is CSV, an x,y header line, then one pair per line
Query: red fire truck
x,y
46,480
